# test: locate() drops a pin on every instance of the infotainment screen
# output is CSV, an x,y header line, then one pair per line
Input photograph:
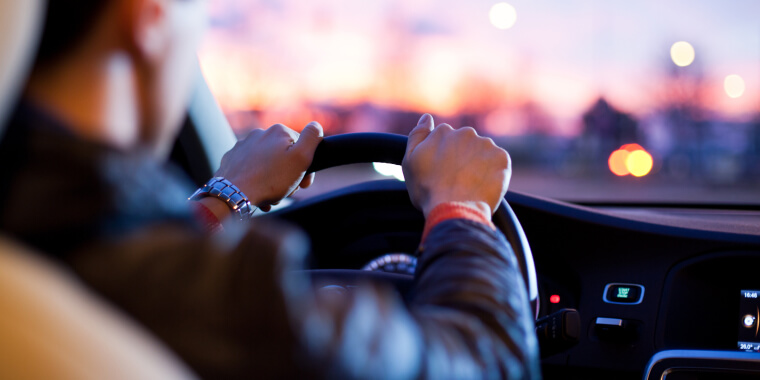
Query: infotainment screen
x,y
749,316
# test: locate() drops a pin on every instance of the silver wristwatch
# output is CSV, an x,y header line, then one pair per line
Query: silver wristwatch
x,y
224,190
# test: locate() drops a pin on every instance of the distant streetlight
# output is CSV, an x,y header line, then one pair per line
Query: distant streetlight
x,y
630,159
682,53
734,86
639,163
503,15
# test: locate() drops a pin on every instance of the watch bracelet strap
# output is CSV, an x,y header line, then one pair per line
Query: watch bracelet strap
x,y
224,190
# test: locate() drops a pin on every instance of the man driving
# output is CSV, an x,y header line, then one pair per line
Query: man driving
x,y
85,182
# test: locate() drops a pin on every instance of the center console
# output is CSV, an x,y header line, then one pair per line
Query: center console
x,y
708,326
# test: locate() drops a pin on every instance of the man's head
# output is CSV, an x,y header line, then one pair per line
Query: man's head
x,y
66,24
120,69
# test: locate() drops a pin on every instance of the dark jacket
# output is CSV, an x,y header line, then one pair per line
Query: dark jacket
x,y
234,305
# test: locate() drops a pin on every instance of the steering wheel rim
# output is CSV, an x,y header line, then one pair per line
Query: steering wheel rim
x,y
353,148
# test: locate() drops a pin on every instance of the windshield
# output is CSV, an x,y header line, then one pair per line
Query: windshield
x,y
596,101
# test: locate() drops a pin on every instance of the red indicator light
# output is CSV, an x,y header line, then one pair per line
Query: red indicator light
x,y
554,298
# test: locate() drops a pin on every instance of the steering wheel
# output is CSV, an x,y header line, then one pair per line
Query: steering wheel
x,y
389,148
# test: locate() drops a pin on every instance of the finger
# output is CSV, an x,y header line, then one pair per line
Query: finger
x,y
265,208
442,128
277,129
307,181
283,131
420,132
253,133
469,130
310,137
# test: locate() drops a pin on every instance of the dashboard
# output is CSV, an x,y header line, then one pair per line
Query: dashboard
x,y
683,272
645,281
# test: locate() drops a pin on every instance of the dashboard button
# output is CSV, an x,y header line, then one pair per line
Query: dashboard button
x,y
627,294
616,330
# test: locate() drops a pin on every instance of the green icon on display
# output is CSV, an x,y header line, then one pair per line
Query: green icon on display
x,y
623,292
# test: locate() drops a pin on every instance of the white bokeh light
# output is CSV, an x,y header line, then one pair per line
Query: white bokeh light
x,y
389,170
734,86
682,53
503,15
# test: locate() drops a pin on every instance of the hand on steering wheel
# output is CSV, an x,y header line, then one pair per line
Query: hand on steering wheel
x,y
391,148
444,164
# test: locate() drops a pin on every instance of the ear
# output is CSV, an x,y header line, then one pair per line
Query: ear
x,y
147,26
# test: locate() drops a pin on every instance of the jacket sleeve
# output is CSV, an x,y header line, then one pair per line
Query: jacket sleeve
x,y
468,317
472,306
236,306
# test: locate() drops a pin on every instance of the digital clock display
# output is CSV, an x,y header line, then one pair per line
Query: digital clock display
x,y
749,321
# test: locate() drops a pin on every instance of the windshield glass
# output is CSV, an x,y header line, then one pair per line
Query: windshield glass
x,y
595,100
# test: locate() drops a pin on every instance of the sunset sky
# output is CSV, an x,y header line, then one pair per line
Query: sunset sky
x,y
445,56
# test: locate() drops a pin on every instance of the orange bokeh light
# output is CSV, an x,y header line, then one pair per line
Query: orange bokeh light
x,y
617,162
639,163
630,159
631,147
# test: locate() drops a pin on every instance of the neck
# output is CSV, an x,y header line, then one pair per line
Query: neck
x,y
96,100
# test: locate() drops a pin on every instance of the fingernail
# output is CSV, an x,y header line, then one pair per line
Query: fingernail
x,y
424,119
316,126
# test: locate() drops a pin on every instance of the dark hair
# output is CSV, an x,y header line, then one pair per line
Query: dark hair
x,y
67,22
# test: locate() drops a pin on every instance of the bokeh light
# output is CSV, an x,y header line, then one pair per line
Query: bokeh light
x,y
389,170
631,147
503,15
630,159
617,162
639,163
682,53
734,86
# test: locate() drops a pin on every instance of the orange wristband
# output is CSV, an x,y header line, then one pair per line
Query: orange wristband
x,y
455,210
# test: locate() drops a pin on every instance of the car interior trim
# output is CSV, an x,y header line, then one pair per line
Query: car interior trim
x,y
698,360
